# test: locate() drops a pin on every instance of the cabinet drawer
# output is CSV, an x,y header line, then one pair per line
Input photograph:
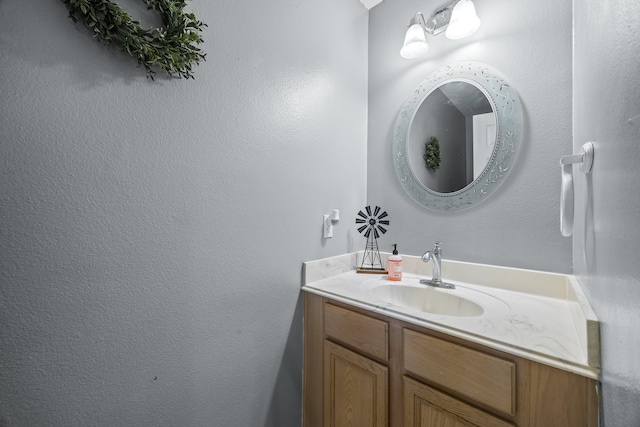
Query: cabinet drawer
x,y
365,334
480,377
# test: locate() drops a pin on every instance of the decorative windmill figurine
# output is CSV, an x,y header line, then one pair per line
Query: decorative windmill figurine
x,y
372,226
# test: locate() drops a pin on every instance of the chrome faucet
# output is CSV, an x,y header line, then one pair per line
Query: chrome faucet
x,y
435,256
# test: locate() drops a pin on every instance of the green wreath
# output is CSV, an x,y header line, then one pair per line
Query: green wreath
x,y
432,153
172,48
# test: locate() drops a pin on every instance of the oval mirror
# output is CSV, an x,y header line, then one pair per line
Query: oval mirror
x,y
457,136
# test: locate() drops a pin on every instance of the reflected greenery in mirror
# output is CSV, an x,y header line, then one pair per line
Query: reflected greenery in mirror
x,y
432,153
458,123
476,118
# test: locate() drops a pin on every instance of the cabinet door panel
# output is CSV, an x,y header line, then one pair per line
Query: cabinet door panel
x,y
355,389
428,407
560,398
432,416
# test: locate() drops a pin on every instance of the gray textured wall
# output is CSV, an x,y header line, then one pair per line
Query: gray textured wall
x,y
607,229
530,43
152,233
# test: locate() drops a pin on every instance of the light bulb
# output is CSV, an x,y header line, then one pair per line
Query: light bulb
x,y
415,42
464,20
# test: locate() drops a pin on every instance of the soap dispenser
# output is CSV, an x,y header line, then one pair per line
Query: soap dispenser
x,y
395,265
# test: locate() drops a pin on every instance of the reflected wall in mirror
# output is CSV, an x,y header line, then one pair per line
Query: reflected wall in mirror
x,y
476,118
454,114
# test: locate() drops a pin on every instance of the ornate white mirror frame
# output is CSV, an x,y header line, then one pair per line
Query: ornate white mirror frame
x,y
509,129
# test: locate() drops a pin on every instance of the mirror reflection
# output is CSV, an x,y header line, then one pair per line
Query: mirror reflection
x,y
469,87
452,137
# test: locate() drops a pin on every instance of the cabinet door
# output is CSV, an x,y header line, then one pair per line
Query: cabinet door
x,y
560,398
355,389
427,407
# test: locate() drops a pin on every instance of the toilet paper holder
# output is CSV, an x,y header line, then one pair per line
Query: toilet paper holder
x,y
585,159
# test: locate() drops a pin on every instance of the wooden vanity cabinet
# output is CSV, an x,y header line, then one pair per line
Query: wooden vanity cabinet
x,y
363,369
355,389
425,406
355,385
477,376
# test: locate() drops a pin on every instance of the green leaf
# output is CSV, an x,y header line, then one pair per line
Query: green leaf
x,y
169,48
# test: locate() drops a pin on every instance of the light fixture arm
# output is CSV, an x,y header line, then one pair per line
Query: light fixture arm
x,y
418,18
439,20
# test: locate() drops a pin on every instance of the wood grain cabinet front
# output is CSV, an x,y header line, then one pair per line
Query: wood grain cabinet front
x,y
477,376
427,407
365,369
365,334
355,389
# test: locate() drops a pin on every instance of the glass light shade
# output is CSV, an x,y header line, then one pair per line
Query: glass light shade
x,y
464,20
415,42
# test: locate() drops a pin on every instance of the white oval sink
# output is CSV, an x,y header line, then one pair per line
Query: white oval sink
x,y
428,299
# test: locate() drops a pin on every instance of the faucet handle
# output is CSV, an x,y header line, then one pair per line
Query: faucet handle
x,y
437,248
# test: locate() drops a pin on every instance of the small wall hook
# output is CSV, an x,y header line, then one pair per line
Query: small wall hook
x,y
329,222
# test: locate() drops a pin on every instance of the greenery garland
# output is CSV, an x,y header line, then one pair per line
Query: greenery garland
x,y
172,48
432,153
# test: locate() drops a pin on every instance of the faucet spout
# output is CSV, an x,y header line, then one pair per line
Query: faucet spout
x,y
435,256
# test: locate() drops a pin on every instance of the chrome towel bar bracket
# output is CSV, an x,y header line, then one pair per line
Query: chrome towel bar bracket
x,y
585,159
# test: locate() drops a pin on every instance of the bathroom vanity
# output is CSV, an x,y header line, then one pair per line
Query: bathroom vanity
x,y
376,355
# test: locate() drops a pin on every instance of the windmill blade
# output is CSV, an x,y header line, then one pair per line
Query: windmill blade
x,y
361,229
362,215
384,221
360,221
383,215
367,233
376,210
368,208
375,233
384,230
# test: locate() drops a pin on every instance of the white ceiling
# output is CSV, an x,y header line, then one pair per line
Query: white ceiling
x,y
370,3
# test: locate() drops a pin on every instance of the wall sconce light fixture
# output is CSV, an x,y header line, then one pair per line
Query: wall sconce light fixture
x,y
458,18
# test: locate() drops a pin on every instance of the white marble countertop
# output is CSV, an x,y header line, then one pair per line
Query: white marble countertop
x,y
536,315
